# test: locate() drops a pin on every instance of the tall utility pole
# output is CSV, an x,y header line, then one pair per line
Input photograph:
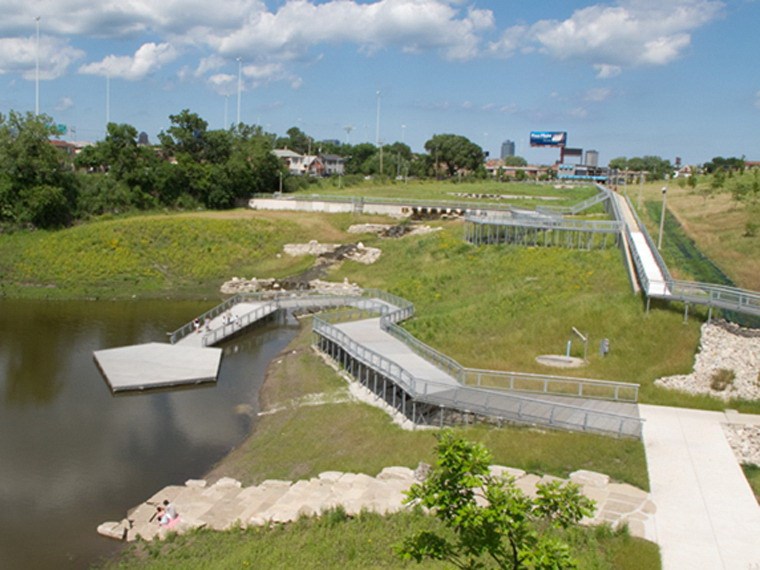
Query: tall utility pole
x,y
662,215
226,105
377,122
240,87
37,70
108,100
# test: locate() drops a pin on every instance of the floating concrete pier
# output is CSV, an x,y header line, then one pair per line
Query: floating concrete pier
x,y
157,365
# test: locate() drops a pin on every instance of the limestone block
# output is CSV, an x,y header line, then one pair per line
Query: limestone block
x,y
402,473
330,476
113,529
225,482
501,471
196,483
586,478
527,484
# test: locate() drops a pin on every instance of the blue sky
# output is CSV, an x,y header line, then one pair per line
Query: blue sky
x,y
626,78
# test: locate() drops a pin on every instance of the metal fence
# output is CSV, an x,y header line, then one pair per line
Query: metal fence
x,y
719,296
490,403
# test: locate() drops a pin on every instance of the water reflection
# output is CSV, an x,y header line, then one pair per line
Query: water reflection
x,y
72,455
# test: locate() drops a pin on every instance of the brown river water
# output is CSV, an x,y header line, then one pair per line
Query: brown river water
x,y
72,455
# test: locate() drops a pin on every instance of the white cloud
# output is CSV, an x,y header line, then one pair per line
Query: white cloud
x,y
598,94
148,58
628,33
606,71
411,25
19,55
211,63
223,83
64,103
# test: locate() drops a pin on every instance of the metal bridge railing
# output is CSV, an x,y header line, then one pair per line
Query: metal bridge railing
x,y
211,338
600,226
553,385
438,204
489,403
655,252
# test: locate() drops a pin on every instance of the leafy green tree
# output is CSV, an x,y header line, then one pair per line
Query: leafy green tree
x,y
30,167
297,141
725,164
186,137
515,161
619,163
455,152
488,516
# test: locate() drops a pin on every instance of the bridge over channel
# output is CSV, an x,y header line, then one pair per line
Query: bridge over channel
x,y
420,383
555,227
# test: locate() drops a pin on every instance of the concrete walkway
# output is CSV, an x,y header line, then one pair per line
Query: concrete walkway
x,y
707,515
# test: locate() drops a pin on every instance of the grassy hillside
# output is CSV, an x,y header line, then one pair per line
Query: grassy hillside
x,y
716,222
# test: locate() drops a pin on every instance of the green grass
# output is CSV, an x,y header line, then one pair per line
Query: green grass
x,y
520,194
362,542
300,442
151,255
752,473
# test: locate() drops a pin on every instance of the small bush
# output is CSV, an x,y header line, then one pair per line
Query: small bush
x,y
722,379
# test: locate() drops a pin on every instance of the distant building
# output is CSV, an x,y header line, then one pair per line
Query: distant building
x,y
507,149
592,158
334,164
311,165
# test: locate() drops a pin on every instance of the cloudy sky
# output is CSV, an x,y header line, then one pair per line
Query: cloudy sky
x,y
627,77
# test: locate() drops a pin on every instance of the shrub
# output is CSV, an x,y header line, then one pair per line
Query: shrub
x,y
722,379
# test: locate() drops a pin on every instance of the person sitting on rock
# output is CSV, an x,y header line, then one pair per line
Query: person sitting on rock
x,y
170,510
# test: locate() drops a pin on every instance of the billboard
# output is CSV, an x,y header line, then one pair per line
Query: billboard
x,y
548,138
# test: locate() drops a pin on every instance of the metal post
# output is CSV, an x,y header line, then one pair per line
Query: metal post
x,y
662,216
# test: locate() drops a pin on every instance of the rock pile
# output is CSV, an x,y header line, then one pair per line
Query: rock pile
x,y
357,252
388,230
745,442
722,348
227,504
240,285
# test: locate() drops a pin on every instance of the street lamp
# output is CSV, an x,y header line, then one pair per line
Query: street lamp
x,y
37,71
662,216
239,87
377,122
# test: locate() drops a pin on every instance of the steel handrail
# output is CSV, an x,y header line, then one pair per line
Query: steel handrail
x,y
421,389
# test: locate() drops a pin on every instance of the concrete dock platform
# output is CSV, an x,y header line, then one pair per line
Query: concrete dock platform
x,y
157,365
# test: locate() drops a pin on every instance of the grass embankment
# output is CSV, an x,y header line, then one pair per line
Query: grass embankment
x,y
363,542
752,473
493,307
156,255
297,441
715,221
527,195
300,441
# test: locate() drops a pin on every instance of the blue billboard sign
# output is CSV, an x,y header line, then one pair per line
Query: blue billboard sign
x,y
548,138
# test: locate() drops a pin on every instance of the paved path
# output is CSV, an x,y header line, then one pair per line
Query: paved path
x,y
707,516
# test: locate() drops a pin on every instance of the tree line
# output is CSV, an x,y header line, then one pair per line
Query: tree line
x,y
192,166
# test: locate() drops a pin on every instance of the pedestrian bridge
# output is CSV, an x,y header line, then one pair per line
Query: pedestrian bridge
x,y
361,334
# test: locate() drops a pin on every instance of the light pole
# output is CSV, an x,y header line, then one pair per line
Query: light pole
x,y
662,216
377,121
240,87
37,70
226,105
403,134
108,100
